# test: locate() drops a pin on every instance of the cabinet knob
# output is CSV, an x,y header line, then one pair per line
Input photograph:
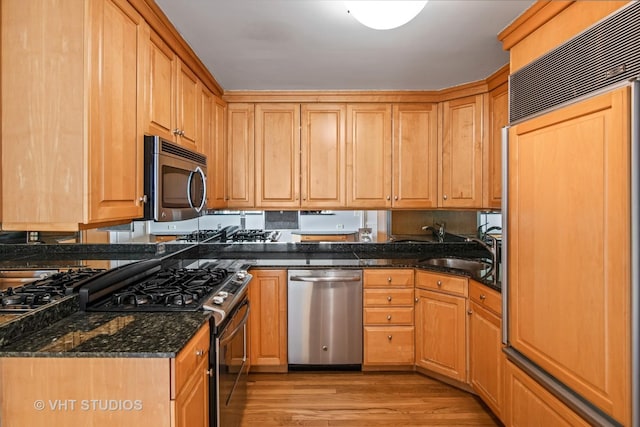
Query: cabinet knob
x,y
389,298
395,198
444,197
210,372
389,317
389,279
417,300
439,283
483,297
143,199
388,197
199,352
469,312
325,348
389,337
176,131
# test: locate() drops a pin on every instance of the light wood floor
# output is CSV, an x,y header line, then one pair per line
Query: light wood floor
x,y
359,399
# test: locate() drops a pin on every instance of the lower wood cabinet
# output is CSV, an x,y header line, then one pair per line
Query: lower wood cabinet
x,y
388,336
108,391
441,339
527,403
268,320
486,360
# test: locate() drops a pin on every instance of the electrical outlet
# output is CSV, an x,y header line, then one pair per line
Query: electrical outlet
x,y
34,236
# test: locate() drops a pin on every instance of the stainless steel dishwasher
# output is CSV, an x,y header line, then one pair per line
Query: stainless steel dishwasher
x,y
325,319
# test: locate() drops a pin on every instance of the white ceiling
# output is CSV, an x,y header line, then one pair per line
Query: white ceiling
x,y
317,45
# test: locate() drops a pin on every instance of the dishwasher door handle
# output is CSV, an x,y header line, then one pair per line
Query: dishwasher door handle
x,y
325,279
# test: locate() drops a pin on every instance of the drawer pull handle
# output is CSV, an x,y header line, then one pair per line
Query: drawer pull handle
x,y
439,283
389,317
199,352
483,297
389,298
389,337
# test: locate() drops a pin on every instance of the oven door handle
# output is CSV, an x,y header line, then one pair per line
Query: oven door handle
x,y
324,279
224,341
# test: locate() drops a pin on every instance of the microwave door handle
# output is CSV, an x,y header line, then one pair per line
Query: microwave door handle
x,y
204,189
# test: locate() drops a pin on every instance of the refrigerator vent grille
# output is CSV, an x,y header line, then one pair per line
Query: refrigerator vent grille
x,y
606,53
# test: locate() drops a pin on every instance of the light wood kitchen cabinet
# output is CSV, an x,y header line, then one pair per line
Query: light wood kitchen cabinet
x,y
191,378
461,149
73,142
369,156
548,214
217,156
528,403
172,96
415,156
149,392
240,156
441,327
323,155
498,118
268,320
388,319
277,154
486,360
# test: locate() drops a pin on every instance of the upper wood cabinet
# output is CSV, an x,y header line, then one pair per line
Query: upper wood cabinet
x,y
461,150
173,96
240,156
72,144
277,155
369,156
217,156
498,118
415,156
323,155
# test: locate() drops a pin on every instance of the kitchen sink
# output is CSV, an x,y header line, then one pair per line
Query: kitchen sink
x,y
471,265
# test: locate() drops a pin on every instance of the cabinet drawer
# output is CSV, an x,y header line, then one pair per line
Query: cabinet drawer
x,y
188,359
391,345
442,282
388,297
388,277
487,298
388,316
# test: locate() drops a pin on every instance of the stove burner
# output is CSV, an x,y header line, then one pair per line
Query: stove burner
x,y
167,290
255,236
44,291
201,235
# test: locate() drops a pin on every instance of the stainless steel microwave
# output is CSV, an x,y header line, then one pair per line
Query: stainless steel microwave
x,y
175,181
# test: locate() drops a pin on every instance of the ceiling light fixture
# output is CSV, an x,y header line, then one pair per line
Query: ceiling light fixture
x,y
384,15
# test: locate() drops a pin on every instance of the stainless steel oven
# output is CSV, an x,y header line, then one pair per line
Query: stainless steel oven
x,y
229,356
175,182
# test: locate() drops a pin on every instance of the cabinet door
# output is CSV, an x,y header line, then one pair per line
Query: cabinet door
x,y
192,404
415,156
528,404
187,100
388,345
162,87
240,155
485,356
116,111
204,138
569,172
369,156
217,156
441,334
323,162
498,118
461,153
268,320
277,155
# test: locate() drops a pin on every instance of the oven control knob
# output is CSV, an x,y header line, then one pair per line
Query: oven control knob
x,y
223,294
218,300
241,274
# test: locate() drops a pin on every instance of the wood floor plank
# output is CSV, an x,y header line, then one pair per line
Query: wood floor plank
x,y
359,399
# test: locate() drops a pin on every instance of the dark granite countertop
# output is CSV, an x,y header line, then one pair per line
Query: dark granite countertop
x,y
111,335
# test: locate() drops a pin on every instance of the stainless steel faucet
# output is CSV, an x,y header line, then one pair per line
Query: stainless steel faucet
x,y
437,232
493,250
